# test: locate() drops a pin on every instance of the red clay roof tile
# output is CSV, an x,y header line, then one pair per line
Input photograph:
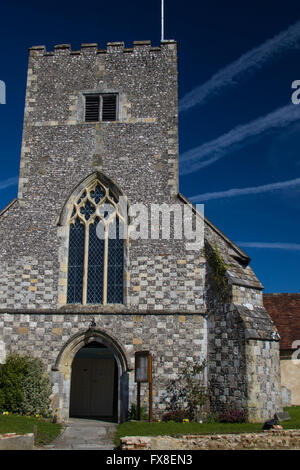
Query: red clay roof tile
x,y
284,309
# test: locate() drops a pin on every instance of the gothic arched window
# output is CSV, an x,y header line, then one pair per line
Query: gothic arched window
x,y
96,256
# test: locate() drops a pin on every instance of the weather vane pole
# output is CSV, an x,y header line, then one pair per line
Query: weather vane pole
x,y
162,20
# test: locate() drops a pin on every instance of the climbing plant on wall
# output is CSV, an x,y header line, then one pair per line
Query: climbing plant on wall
x,y
218,271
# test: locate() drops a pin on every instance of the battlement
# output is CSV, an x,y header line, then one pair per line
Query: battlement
x,y
111,47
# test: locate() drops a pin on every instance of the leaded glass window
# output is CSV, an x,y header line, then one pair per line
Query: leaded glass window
x,y
76,262
95,266
96,249
115,268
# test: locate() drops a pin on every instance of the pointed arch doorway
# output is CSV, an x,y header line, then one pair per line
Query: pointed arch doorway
x,y
94,383
104,345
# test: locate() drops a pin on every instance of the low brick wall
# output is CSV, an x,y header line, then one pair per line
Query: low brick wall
x,y
271,439
13,441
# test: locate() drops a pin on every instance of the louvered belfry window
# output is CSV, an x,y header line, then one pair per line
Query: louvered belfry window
x,y
92,108
96,263
101,107
109,107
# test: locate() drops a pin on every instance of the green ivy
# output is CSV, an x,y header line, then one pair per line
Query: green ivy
x,y
219,269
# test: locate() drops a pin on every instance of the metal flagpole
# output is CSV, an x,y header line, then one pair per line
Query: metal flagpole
x,y
162,20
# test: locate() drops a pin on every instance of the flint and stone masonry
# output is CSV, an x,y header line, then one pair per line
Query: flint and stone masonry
x,y
173,305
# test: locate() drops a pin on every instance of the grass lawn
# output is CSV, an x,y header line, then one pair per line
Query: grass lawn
x,y
143,428
46,430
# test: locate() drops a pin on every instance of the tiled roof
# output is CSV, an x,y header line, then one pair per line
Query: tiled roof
x,y
257,322
284,309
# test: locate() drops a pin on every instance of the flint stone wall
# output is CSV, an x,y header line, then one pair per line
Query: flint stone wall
x,y
266,440
174,341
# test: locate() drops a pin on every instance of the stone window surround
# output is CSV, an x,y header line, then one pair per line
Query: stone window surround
x,y
100,107
85,197
63,223
98,91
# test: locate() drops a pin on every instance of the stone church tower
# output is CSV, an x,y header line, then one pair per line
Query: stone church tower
x,y
100,125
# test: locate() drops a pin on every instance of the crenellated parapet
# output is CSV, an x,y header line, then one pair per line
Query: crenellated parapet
x,y
111,48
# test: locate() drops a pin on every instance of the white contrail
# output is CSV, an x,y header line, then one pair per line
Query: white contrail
x,y
252,60
209,152
266,188
272,245
8,182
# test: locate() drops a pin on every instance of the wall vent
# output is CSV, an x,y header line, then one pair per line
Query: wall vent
x,y
100,107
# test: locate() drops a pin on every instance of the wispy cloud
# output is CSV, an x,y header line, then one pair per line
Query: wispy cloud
x,y
8,182
209,152
272,245
251,61
266,188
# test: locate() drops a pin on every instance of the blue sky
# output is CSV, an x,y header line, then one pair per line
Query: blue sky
x,y
239,131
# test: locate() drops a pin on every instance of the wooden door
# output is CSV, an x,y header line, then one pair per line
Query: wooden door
x,y
92,387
